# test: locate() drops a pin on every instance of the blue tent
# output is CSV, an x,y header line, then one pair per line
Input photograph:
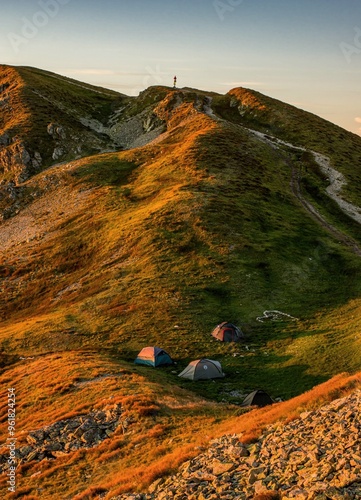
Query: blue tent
x,y
153,356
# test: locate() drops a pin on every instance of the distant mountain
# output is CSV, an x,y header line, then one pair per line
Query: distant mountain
x,y
148,220
47,118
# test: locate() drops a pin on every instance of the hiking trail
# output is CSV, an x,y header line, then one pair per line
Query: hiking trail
x,y
336,178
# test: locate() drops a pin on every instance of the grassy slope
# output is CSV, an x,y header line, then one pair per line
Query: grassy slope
x,y
170,245
176,237
38,98
165,424
9,120
298,127
332,335
157,437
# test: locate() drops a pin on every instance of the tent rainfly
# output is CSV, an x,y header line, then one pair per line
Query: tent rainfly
x,y
227,332
202,369
257,398
153,356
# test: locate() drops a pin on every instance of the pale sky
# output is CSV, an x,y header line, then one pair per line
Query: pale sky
x,y
304,52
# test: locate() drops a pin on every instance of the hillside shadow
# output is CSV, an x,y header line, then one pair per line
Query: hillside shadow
x,y
241,378
106,170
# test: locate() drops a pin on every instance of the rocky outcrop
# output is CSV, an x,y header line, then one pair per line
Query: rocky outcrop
x,y
58,134
4,140
56,131
16,161
10,199
315,457
46,121
66,436
137,130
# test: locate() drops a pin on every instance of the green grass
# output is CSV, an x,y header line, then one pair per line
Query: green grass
x,y
181,235
186,249
40,98
301,128
174,238
105,171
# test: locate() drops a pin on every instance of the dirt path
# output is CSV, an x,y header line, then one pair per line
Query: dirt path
x,y
296,189
337,180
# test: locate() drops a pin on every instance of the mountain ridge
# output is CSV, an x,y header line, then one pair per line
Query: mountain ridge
x,y
186,209
193,166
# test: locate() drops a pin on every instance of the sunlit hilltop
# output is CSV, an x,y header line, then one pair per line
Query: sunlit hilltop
x,y
128,222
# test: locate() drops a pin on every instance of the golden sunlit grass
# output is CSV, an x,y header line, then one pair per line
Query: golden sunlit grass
x,y
54,387
163,425
166,235
161,243
16,116
252,424
267,495
249,99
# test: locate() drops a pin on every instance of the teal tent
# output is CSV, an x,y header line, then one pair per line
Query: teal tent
x,y
153,356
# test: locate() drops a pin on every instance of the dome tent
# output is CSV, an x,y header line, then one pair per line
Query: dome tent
x,y
227,332
153,356
257,398
202,369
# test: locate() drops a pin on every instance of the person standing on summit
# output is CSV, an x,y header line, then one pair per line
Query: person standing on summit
x,y
175,82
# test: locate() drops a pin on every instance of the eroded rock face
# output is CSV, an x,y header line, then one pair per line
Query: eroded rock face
x,y
4,140
315,457
56,131
65,436
16,161
58,153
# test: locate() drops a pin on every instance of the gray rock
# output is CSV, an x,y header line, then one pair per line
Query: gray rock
x,y
4,140
56,131
66,436
315,457
58,153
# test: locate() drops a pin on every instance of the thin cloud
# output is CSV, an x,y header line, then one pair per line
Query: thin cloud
x,y
102,72
91,72
298,103
243,84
